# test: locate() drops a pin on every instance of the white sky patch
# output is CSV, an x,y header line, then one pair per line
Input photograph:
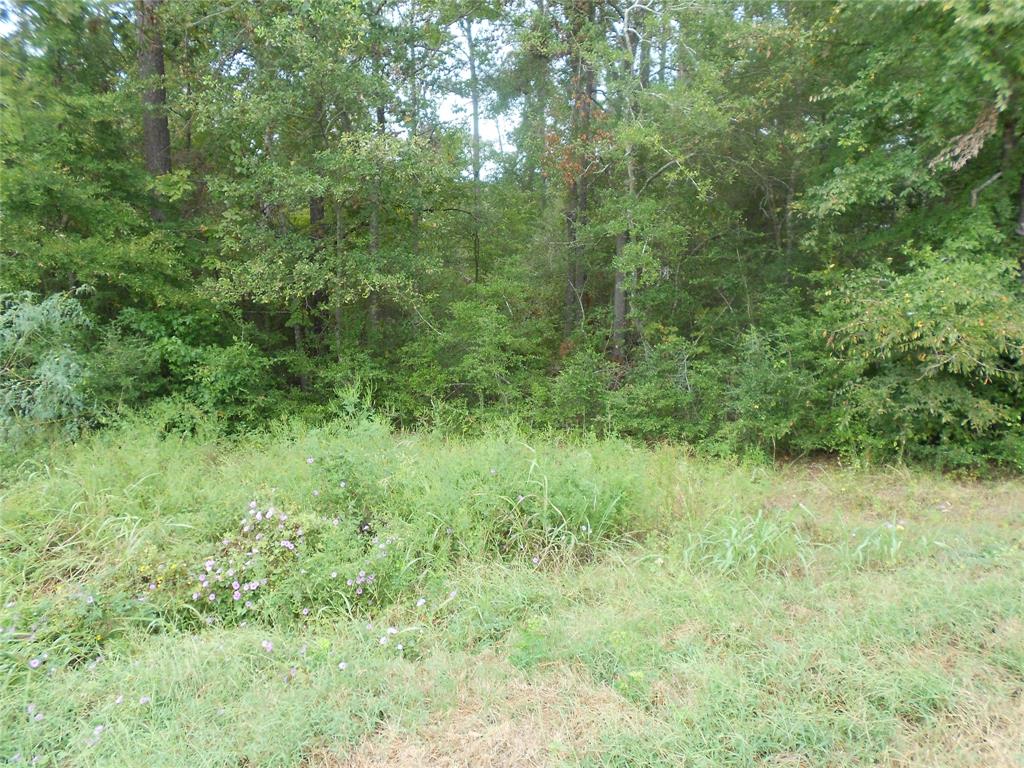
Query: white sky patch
x,y
458,111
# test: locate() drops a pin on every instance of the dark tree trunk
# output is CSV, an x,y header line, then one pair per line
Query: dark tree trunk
x,y
156,135
1020,207
300,335
316,217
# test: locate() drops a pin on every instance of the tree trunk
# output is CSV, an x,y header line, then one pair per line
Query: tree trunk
x,y
474,93
638,72
582,17
338,275
156,135
619,304
299,347
372,335
1009,151
316,217
1020,207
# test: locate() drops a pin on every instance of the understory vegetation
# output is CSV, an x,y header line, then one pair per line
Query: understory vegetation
x,y
346,595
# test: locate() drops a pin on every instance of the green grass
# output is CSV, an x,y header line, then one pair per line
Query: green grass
x,y
584,604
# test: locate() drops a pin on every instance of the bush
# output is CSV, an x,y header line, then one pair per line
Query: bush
x,y
578,397
233,383
122,371
932,362
477,355
41,373
665,394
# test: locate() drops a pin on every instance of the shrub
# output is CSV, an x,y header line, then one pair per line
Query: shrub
x,y
41,373
666,394
478,354
233,383
578,397
933,362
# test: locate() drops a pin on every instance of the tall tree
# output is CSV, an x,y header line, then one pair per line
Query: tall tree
x,y
581,23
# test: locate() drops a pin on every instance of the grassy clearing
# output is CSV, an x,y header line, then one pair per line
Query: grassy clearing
x,y
552,604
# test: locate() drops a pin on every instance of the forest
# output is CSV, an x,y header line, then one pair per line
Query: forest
x,y
769,228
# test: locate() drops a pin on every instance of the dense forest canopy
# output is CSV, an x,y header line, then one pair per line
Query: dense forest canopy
x,y
786,227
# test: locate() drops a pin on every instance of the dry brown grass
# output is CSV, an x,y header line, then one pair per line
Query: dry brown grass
x,y
512,723
911,495
977,733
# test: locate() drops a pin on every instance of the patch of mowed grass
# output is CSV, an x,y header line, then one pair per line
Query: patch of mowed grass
x,y
730,614
739,671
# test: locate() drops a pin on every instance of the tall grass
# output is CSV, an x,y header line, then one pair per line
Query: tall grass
x,y
708,613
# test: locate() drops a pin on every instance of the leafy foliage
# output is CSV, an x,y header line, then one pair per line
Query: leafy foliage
x,y
41,375
767,228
